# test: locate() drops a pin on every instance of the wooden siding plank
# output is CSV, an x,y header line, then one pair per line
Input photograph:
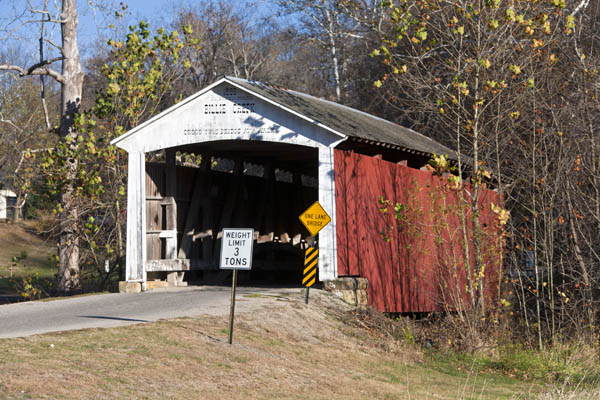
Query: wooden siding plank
x,y
341,204
169,226
421,267
200,188
170,173
353,207
168,265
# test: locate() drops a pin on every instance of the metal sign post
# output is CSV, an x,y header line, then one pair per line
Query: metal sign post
x,y
314,218
232,307
236,253
306,295
311,259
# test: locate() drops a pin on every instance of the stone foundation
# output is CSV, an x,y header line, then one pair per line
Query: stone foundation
x,y
173,279
156,284
130,287
176,279
352,290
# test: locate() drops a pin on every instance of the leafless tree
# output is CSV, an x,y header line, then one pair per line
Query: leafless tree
x,y
326,23
64,53
514,89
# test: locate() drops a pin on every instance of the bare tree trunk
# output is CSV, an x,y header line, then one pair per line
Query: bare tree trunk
x,y
42,80
120,252
479,264
461,200
19,204
69,270
595,169
535,228
332,49
580,260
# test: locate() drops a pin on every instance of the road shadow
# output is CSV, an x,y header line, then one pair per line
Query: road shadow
x,y
113,318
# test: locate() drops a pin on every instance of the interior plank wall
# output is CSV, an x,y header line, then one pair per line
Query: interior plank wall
x,y
268,205
413,262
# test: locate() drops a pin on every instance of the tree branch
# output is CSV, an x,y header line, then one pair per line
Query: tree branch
x,y
9,122
582,5
34,71
8,33
42,83
43,63
24,152
51,43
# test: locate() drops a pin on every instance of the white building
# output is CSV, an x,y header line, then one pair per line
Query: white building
x,y
8,199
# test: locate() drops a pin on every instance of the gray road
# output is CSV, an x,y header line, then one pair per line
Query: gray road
x,y
108,310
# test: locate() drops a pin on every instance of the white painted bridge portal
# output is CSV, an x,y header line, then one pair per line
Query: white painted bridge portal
x,y
231,113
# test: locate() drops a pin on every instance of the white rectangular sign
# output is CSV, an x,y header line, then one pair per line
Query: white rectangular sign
x,y
236,248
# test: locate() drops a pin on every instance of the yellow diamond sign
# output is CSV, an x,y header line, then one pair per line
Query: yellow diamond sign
x,y
315,218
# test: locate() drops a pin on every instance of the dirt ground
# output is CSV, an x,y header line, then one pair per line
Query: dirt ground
x,y
16,241
16,238
285,350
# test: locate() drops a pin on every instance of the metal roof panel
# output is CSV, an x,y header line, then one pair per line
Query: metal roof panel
x,y
346,120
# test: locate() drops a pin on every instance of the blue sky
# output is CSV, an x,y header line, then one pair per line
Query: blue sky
x,y
95,16
95,19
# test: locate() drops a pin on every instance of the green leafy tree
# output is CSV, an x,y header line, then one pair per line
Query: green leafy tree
x,y
138,77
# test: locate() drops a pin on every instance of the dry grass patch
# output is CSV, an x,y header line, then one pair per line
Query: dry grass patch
x,y
15,241
285,350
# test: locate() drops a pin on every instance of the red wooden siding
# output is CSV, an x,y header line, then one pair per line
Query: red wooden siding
x,y
420,267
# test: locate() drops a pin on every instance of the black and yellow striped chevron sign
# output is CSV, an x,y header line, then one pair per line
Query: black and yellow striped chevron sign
x,y
311,258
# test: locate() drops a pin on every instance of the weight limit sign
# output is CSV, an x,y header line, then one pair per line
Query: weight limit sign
x,y
311,259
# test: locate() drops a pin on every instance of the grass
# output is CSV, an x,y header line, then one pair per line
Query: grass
x,y
568,361
283,350
577,362
16,241
288,350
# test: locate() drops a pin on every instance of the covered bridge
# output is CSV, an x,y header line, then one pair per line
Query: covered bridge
x,y
241,153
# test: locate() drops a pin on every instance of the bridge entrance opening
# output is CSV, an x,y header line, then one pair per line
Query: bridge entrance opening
x,y
192,192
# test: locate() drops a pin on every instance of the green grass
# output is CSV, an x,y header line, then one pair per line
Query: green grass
x,y
575,362
442,374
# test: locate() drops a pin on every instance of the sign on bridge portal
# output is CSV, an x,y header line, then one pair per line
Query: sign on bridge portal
x,y
236,248
315,218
